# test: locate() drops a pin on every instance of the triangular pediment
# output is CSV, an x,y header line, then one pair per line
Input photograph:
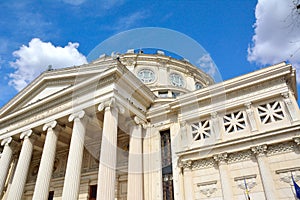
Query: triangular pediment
x,y
50,83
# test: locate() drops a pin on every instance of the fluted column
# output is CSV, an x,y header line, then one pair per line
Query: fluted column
x,y
73,171
187,179
108,154
135,189
265,172
5,162
225,179
19,180
41,190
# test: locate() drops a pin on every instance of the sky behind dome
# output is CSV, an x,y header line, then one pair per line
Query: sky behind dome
x,y
240,35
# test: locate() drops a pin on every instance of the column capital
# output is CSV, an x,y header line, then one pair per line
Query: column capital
x,y
6,141
221,158
297,140
48,125
185,164
26,134
259,150
248,105
182,123
111,103
214,115
80,114
139,121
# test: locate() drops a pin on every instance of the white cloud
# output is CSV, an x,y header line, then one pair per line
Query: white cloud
x,y
207,64
37,56
277,34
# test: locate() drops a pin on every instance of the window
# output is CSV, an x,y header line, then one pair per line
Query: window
x,y
163,94
234,122
167,172
176,80
270,112
51,195
201,130
146,75
175,94
93,192
198,86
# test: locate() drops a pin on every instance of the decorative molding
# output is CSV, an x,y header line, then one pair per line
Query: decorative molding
x,y
251,117
286,175
249,180
259,150
207,188
186,164
297,140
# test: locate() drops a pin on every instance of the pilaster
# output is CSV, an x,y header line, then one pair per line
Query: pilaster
x,y
5,161
264,170
186,166
225,179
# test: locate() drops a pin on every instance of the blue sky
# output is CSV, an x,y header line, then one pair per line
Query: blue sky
x,y
70,29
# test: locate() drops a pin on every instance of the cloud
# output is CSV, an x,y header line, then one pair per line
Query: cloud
x,y
207,64
276,37
35,58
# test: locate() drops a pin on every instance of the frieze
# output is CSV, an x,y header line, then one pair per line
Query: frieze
x,y
204,163
239,156
281,148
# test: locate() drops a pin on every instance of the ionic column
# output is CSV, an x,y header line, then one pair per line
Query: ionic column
x,y
265,172
5,161
187,179
135,190
108,154
42,185
73,171
225,179
19,180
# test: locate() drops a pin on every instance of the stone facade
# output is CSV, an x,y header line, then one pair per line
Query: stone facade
x,y
143,126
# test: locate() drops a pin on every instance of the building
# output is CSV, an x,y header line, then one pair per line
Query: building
x,y
149,126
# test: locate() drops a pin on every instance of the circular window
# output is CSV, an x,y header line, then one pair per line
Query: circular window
x,y
176,80
198,86
146,75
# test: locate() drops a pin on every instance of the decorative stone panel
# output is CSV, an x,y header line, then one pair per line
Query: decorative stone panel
x,y
201,130
270,112
234,122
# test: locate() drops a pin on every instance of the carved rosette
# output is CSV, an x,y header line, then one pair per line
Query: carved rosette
x,y
260,150
221,158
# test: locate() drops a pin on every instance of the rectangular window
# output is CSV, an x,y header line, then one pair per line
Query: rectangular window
x,y
93,192
51,195
166,158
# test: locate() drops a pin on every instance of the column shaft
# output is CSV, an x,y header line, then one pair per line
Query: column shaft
x,y
4,164
41,190
19,180
108,155
225,182
135,188
188,184
73,170
266,178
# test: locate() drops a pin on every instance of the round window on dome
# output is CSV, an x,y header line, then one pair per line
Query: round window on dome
x,y
146,75
176,80
198,86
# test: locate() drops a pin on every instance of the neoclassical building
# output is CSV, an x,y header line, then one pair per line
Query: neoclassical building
x,y
151,127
